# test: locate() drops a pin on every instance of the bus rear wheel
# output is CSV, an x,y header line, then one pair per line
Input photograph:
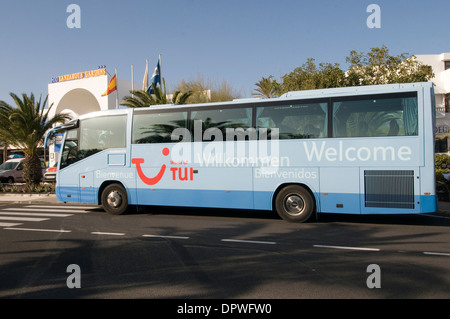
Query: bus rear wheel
x,y
294,204
114,199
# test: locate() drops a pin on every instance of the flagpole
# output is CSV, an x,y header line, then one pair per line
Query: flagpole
x,y
132,81
117,92
145,80
160,75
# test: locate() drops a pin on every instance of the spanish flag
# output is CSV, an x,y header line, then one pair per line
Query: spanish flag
x,y
112,86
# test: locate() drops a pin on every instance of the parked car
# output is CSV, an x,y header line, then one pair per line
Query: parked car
x,y
50,174
11,170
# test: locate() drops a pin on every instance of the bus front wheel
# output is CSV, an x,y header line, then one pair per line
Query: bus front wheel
x,y
114,199
294,204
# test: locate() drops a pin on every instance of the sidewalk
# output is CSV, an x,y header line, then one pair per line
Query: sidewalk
x,y
27,198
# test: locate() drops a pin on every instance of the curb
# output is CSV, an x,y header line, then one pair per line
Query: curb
x,y
19,198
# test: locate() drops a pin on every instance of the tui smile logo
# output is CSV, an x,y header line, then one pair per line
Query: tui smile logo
x,y
183,174
145,179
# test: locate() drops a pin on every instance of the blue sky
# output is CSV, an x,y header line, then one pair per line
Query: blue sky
x,y
239,41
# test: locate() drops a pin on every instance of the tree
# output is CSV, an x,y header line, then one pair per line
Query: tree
x,y
374,67
4,122
179,98
378,67
142,98
309,76
206,92
139,98
267,88
24,127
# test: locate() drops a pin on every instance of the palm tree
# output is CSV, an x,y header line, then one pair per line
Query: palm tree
x,y
4,122
142,98
24,127
180,98
267,88
139,98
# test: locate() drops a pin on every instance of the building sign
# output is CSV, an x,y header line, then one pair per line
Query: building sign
x,y
441,129
79,75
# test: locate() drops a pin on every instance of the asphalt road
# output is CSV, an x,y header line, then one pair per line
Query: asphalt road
x,y
166,253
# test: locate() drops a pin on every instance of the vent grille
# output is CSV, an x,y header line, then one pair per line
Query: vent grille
x,y
389,189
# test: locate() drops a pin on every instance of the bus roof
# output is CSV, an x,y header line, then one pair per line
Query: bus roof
x,y
369,89
307,94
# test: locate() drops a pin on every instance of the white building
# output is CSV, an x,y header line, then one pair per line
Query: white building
x,y
441,68
81,93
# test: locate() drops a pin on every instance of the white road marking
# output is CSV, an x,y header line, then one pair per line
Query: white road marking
x,y
27,219
345,247
106,233
35,214
63,207
10,224
249,241
435,253
38,229
169,237
41,209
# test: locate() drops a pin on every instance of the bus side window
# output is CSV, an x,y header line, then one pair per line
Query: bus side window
x,y
224,124
375,117
101,133
294,121
157,127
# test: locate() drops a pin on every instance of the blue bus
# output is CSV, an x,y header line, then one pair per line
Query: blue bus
x,y
354,150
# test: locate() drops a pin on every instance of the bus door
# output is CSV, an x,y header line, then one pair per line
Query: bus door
x,y
67,184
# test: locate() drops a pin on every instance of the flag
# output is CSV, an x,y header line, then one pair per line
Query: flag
x,y
156,77
112,86
145,80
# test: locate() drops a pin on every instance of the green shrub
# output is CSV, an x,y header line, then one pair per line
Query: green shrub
x,y
442,166
442,161
24,188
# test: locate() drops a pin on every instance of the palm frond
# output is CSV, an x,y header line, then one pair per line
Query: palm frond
x,y
141,98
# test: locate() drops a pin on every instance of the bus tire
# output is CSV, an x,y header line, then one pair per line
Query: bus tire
x,y
114,199
294,203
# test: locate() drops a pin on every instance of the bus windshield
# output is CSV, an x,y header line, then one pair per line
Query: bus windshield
x,y
93,135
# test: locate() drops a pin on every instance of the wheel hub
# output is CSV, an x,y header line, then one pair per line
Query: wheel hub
x,y
294,205
114,199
